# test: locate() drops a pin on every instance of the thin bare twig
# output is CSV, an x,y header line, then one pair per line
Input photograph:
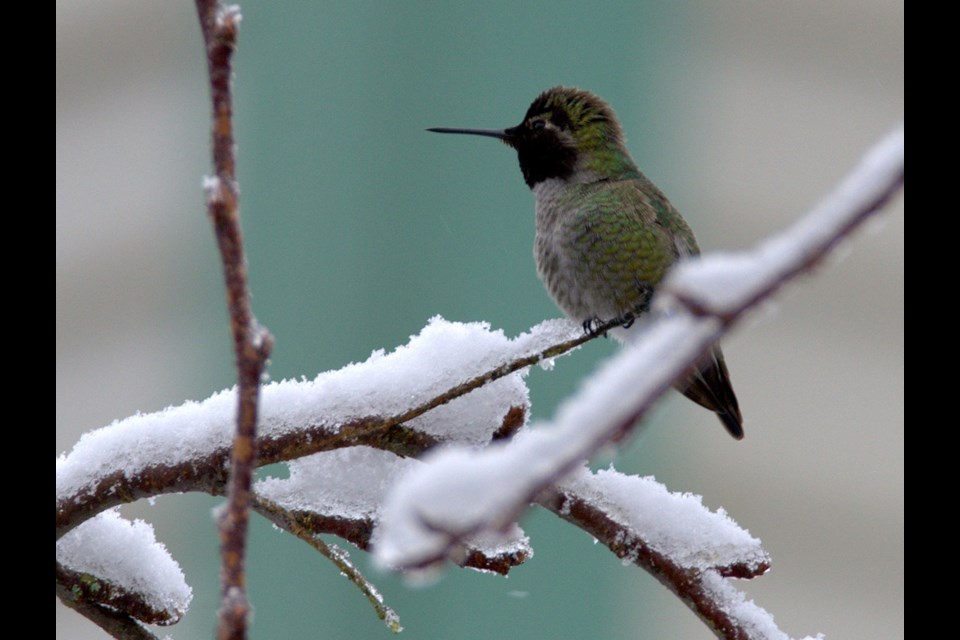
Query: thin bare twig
x,y
303,526
252,344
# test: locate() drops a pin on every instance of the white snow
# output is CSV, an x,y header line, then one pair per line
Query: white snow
x,y
443,355
674,524
211,184
463,493
128,555
422,518
460,490
725,282
351,483
228,13
754,620
348,483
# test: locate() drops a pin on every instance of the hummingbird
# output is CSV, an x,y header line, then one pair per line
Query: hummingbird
x,y
605,234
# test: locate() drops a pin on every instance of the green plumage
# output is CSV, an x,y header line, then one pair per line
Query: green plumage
x,y
600,247
605,234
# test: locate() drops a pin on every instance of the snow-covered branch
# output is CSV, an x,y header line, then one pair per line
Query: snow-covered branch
x,y
113,621
341,491
671,536
351,436
426,517
186,448
111,562
727,285
404,402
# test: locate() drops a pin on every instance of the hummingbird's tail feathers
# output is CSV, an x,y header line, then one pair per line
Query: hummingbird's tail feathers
x,y
710,387
734,424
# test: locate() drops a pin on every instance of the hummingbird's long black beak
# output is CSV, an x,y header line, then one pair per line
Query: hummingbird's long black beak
x,y
501,134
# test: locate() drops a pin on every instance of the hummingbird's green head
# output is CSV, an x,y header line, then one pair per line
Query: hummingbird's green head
x,y
568,134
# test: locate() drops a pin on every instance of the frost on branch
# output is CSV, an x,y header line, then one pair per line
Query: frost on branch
x,y
122,561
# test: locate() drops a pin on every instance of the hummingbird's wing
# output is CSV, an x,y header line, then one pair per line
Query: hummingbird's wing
x,y
681,237
620,240
709,385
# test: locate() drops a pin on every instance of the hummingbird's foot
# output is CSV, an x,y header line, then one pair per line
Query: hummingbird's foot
x,y
627,319
591,327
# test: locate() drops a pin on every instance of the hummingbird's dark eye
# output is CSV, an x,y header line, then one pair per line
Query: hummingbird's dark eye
x,y
538,125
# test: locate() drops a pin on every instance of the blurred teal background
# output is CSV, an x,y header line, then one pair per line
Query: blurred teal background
x,y
360,226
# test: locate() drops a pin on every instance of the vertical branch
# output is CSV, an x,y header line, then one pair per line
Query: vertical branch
x,y
252,344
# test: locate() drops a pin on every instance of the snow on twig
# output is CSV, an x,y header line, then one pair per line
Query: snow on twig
x,y
390,400
119,563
